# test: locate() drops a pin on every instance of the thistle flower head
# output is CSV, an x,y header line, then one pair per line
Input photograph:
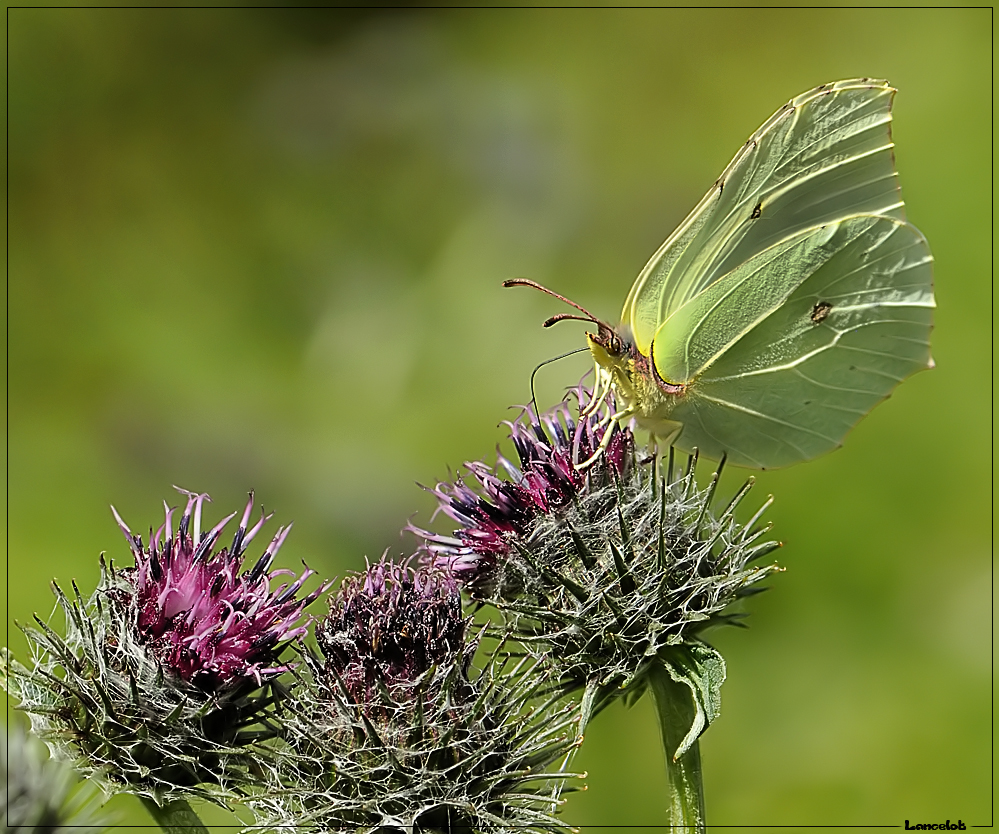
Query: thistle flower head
x,y
199,616
391,625
494,511
163,684
616,568
392,730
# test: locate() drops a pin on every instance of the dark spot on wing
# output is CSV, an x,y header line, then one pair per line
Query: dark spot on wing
x,y
757,211
820,311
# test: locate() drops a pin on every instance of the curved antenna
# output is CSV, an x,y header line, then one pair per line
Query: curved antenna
x,y
525,282
534,400
567,317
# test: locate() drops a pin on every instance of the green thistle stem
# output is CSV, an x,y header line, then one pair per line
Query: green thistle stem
x,y
176,817
675,709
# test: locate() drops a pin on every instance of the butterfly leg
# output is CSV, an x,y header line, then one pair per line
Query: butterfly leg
x,y
662,433
653,447
601,388
667,433
606,439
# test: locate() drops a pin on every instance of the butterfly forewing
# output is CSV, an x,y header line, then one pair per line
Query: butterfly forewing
x,y
718,316
790,385
824,156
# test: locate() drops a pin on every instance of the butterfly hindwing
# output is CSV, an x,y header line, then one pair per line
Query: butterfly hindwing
x,y
787,381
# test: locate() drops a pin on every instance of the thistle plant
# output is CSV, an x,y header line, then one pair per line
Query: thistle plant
x,y
175,678
41,794
393,730
164,683
612,571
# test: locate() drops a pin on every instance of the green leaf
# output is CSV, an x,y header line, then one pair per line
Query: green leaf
x,y
700,672
685,682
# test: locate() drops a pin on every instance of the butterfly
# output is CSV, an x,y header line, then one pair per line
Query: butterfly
x,y
790,302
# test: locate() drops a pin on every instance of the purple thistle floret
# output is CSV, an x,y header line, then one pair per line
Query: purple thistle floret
x,y
200,617
392,624
495,510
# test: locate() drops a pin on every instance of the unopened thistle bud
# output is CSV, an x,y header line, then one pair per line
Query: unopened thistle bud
x,y
162,684
394,731
609,571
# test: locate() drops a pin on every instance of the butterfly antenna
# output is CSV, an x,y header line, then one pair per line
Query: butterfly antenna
x,y
525,282
568,317
534,400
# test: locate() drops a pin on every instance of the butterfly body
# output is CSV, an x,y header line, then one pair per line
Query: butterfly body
x,y
790,301
637,385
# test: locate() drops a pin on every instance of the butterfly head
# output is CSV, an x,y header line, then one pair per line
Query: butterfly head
x,y
615,358
615,343
623,373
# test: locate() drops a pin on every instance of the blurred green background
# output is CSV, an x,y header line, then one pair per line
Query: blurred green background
x,y
263,248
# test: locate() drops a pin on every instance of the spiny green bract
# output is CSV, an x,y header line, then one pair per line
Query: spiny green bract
x,y
439,753
635,567
604,563
101,699
391,731
166,679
